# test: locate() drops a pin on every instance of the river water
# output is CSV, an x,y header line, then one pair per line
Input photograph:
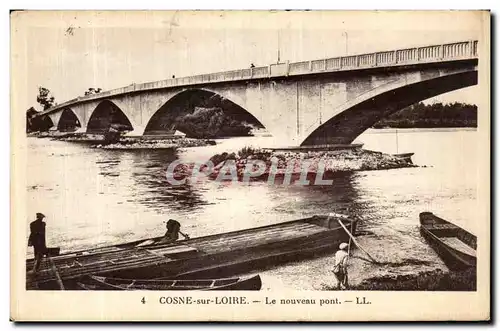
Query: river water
x,y
100,197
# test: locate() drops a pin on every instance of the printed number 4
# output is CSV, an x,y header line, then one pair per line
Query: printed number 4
x,y
143,300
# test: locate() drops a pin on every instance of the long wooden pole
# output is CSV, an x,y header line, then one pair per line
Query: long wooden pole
x,y
54,270
354,240
350,239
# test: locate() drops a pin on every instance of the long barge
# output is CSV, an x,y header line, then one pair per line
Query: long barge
x,y
213,256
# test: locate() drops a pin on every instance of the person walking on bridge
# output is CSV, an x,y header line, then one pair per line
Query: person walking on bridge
x,y
340,266
37,240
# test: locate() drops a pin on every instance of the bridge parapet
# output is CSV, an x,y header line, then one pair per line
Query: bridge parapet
x,y
410,56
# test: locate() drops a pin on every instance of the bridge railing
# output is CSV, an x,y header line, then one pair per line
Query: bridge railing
x,y
433,53
299,68
260,72
279,69
333,64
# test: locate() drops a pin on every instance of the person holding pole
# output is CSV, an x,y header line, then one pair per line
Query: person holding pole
x,y
37,240
340,266
173,231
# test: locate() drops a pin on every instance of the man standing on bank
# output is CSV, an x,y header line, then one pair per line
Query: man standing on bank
x,y
340,267
37,240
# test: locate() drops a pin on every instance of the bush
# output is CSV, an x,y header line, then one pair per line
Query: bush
x,y
211,123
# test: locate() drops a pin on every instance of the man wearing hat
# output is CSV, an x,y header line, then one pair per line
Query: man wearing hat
x,y
37,239
340,267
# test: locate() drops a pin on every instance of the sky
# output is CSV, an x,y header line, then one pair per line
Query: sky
x,y
68,52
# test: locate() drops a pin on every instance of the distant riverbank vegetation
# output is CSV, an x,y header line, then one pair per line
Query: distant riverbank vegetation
x,y
37,124
436,115
203,114
212,123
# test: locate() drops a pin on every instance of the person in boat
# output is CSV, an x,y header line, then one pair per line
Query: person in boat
x,y
340,266
37,240
173,231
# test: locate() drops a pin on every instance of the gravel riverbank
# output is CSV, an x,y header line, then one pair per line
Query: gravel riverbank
x,y
329,162
131,143
125,143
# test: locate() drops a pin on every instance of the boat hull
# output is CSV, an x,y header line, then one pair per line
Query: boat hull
x,y
253,283
436,230
215,256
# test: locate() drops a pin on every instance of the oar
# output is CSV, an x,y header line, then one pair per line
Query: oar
x,y
54,270
357,244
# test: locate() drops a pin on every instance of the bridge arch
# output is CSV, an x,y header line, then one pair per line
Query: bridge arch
x,y
199,106
357,115
68,121
107,113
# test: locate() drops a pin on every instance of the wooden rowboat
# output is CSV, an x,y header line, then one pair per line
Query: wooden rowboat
x,y
252,283
209,257
405,156
456,246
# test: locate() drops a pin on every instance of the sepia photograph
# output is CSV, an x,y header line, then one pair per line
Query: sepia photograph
x,y
340,155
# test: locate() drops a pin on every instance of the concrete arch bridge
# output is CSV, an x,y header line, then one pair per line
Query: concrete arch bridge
x,y
326,101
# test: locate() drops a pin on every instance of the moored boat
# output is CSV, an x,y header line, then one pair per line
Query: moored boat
x,y
455,245
215,256
252,283
405,156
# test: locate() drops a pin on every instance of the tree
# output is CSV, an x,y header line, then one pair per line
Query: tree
x,y
45,98
37,123
92,90
30,113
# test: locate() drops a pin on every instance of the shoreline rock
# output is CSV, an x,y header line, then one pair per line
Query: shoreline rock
x,y
294,163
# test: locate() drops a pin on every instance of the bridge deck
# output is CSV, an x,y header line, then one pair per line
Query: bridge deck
x,y
426,54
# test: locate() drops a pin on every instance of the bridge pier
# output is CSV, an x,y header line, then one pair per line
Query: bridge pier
x,y
137,131
55,117
82,129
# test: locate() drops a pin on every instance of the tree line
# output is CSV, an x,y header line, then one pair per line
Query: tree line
x,y
436,115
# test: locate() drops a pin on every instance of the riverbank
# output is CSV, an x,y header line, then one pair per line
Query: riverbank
x,y
437,280
126,142
129,143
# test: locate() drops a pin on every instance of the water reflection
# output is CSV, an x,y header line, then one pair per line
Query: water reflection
x,y
340,196
149,168
108,164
